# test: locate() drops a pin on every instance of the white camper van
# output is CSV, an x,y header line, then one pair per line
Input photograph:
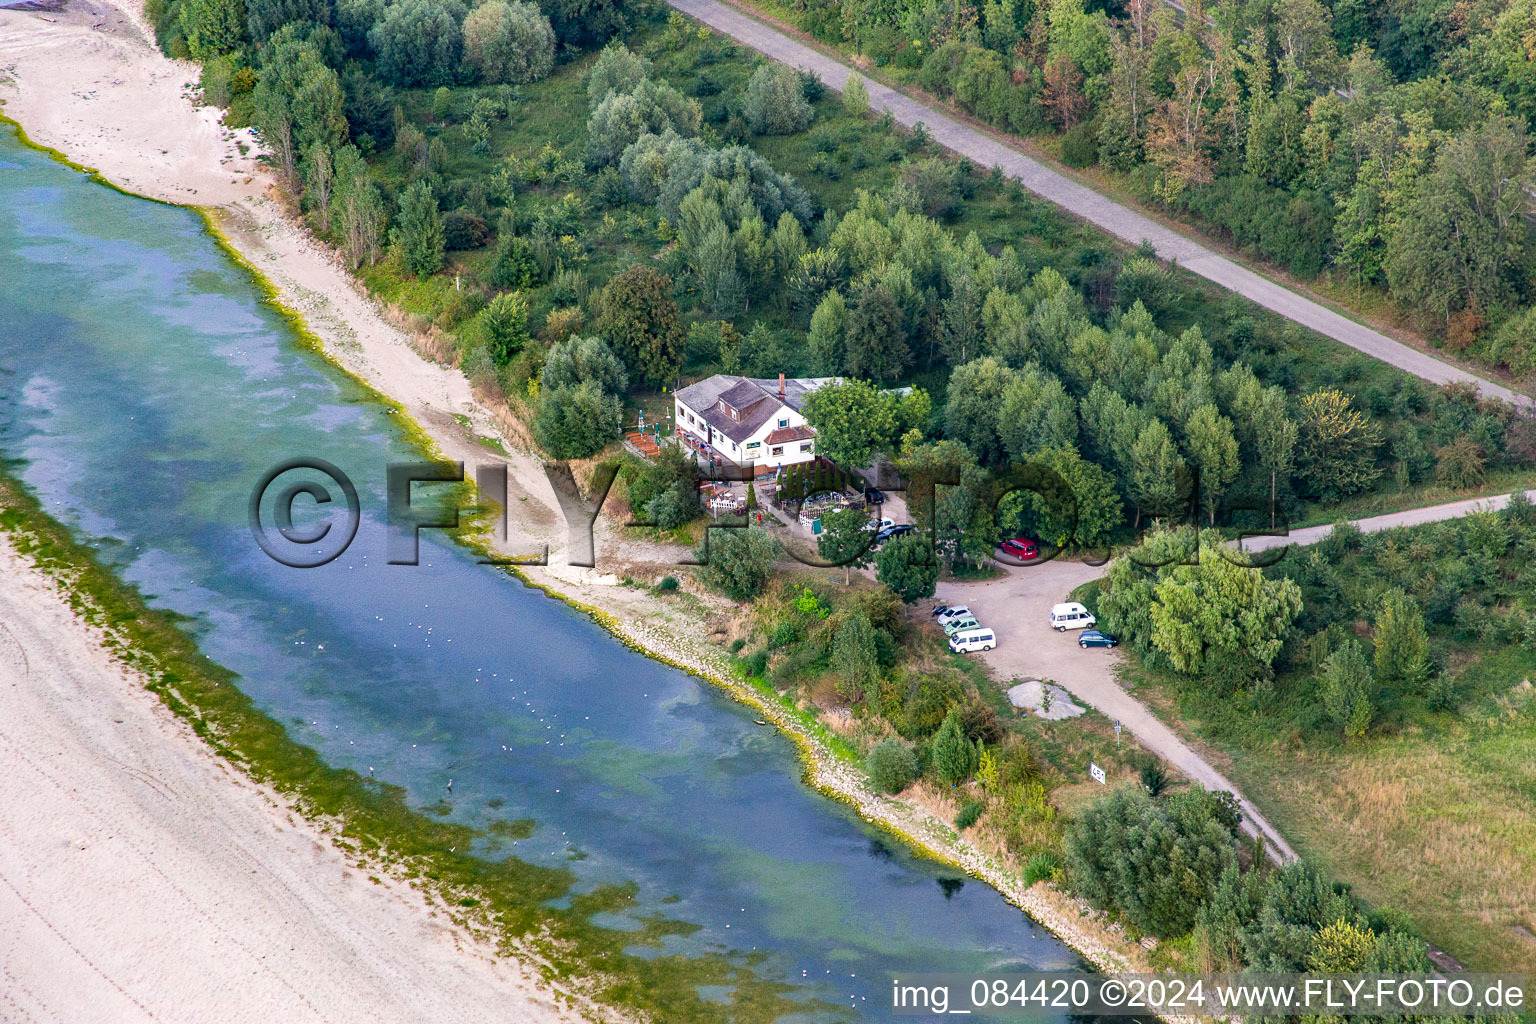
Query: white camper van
x,y
1070,616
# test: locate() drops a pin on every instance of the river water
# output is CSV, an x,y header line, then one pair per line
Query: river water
x,y
144,389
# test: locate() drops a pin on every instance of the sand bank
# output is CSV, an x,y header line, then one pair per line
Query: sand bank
x,y
71,80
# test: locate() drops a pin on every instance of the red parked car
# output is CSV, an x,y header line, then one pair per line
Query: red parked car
x,y
1022,548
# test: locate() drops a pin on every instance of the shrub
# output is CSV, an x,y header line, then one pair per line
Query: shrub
x,y
784,634
623,117
615,70
738,644
756,663
969,814
892,765
1041,868
463,230
856,95
737,563
775,102
1080,146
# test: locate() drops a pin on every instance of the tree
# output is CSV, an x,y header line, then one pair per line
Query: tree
x,y
1335,446
738,562
587,23
1036,413
1343,947
1213,448
576,422
1345,688
845,540
1222,615
505,322
1402,643
1064,92
954,755
621,118
615,70
509,42
875,343
1082,518
213,27
581,405
854,656
855,95
1154,471
574,360
892,765
1155,861
908,566
1308,57
826,335
265,17
418,42
638,316
1459,240
852,421
362,218
298,103
975,396
775,101
418,230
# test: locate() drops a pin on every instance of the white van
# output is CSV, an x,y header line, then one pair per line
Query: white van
x,y
967,640
1070,616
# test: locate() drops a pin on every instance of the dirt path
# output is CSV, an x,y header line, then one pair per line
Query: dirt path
x,y
1120,221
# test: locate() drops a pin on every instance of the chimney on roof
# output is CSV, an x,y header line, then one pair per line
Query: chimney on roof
x,y
781,387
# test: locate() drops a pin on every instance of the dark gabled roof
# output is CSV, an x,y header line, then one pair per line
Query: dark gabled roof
x,y
742,396
739,431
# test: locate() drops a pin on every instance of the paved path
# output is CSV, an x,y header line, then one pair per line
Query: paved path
x,y
1118,220
1017,606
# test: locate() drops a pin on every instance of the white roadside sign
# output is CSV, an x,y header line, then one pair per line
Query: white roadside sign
x,y
1098,774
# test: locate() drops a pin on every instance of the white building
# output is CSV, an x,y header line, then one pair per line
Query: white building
x,y
747,421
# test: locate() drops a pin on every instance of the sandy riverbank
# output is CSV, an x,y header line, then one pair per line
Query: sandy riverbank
x,y
71,80
141,879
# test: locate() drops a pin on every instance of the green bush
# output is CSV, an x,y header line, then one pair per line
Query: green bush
x,y
756,663
784,634
1041,868
1080,146
969,814
892,765
668,583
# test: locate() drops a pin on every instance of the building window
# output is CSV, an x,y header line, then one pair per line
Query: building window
x,y
777,451
806,447
784,423
754,444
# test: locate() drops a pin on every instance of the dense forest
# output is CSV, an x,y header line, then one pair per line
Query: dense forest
x,y
578,223
1386,143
